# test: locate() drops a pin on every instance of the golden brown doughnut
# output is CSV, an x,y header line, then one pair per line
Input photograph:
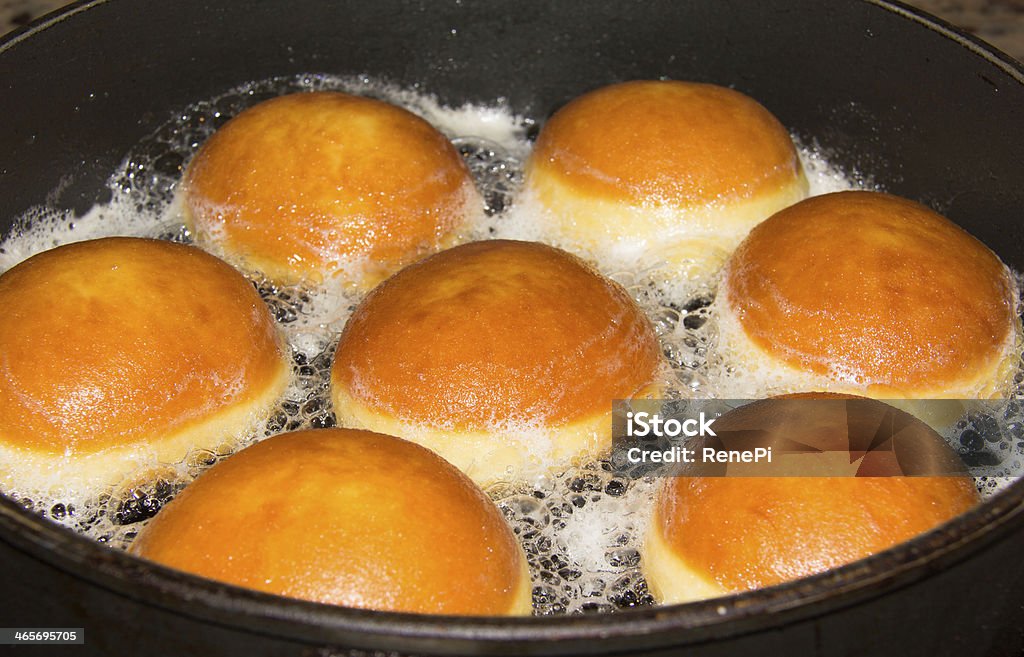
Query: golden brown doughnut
x,y
648,163
716,535
727,535
345,517
502,356
305,186
863,291
121,352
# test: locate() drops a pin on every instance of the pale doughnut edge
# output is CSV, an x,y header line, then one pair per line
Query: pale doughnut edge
x,y
29,472
670,579
488,457
696,239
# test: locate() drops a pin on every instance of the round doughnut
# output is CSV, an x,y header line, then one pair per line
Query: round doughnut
x,y
123,352
644,164
345,517
868,292
310,185
502,356
717,535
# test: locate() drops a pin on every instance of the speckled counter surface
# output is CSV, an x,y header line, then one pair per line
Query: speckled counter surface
x,y
15,13
1000,22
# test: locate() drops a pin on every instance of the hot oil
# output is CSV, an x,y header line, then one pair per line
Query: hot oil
x,y
582,529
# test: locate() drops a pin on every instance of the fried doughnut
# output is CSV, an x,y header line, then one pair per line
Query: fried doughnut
x,y
345,517
645,164
716,535
867,292
121,352
309,185
502,356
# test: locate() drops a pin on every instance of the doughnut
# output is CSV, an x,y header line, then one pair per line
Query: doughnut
x,y
717,535
644,164
345,517
308,186
123,352
504,357
871,293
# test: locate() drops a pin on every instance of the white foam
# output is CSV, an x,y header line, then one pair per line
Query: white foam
x,y
581,529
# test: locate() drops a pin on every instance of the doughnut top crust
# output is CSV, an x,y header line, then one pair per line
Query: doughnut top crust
x,y
752,532
667,142
494,332
873,290
118,341
345,517
747,532
306,185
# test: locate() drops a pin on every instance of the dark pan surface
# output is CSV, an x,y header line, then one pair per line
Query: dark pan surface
x,y
932,114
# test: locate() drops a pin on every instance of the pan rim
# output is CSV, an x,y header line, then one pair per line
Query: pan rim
x,y
230,606
213,602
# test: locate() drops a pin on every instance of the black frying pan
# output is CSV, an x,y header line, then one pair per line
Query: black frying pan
x,y
936,116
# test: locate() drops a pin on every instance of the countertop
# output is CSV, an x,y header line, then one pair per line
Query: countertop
x,y
1000,22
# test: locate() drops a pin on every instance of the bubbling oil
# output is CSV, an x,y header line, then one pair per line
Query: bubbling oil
x,y
581,529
